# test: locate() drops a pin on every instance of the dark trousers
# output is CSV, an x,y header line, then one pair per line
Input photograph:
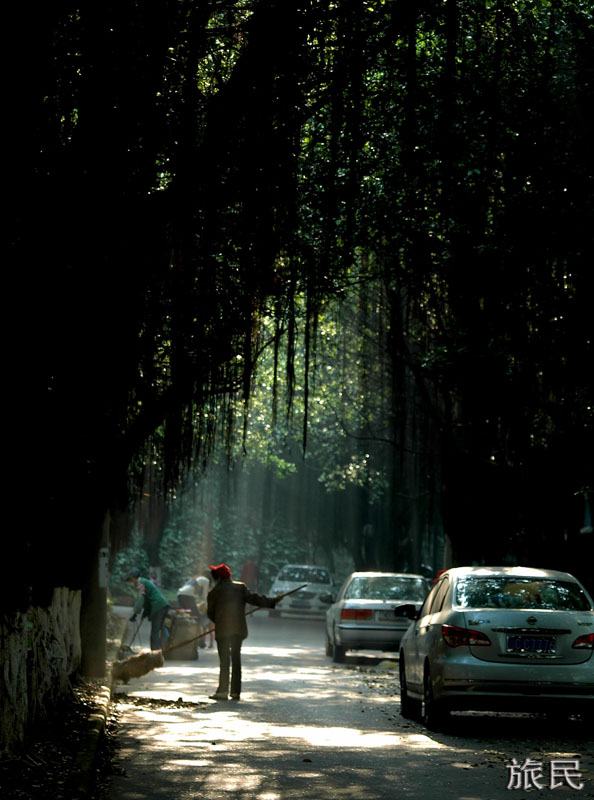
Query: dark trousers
x,y
229,648
157,621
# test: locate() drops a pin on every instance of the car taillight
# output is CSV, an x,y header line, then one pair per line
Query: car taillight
x,y
356,613
455,637
585,642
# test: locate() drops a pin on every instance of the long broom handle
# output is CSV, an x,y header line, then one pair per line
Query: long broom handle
x,y
247,613
136,633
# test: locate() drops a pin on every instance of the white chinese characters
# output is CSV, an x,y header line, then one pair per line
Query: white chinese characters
x,y
533,775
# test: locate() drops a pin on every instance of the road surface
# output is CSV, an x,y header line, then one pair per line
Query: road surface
x,y
310,729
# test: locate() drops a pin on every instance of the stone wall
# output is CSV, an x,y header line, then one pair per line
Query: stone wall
x,y
13,681
39,651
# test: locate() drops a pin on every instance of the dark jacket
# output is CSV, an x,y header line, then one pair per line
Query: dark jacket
x,y
226,607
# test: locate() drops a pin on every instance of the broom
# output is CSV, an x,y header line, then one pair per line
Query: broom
x,y
138,665
127,648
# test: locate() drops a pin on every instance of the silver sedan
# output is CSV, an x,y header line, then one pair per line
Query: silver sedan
x,y
362,616
496,638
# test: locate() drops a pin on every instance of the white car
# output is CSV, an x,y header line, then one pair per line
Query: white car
x,y
362,617
312,600
498,638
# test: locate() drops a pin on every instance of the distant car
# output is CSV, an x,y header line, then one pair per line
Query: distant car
x,y
498,638
307,602
362,617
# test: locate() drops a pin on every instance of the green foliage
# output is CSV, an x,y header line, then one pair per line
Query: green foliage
x,y
132,557
387,205
178,554
444,188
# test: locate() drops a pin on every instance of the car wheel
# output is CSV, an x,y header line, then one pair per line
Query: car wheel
x,y
329,647
338,652
434,712
409,708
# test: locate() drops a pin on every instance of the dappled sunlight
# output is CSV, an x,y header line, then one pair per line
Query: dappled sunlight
x,y
241,780
305,727
222,754
229,726
177,671
169,695
348,737
192,680
278,652
273,674
280,672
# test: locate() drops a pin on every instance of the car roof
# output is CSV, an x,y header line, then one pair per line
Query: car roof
x,y
369,574
512,572
303,566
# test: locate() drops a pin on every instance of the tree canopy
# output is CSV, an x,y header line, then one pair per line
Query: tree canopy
x,y
191,182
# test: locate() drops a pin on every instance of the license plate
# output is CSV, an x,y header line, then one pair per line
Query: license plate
x,y
531,644
299,604
389,615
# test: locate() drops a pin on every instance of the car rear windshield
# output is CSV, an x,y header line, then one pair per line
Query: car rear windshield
x,y
510,592
304,574
383,587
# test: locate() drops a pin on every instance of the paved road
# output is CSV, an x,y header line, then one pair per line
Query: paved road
x,y
306,728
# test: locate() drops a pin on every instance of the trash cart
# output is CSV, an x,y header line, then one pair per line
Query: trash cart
x,y
181,626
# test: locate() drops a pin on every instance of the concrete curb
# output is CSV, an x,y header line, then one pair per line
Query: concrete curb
x,y
81,782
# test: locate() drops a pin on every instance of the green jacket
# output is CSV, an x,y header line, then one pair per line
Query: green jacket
x,y
149,600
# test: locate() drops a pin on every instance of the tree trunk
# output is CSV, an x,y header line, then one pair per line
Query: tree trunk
x,y
39,650
93,617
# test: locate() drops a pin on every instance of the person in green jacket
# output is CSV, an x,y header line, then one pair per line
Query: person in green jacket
x,y
152,603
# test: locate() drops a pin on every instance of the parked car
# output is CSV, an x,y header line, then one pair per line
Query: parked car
x,y
362,617
497,638
308,602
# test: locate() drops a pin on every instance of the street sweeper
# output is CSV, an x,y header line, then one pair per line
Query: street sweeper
x,y
226,604
137,665
151,603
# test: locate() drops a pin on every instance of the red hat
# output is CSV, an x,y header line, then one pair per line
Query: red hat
x,y
222,571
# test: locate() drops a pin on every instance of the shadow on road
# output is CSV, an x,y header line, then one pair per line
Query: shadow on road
x,y
366,660
519,728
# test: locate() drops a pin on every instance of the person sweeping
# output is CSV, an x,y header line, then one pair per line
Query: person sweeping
x,y
151,602
226,603
226,608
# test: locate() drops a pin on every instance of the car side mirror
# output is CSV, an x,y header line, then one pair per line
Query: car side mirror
x,y
408,611
326,598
